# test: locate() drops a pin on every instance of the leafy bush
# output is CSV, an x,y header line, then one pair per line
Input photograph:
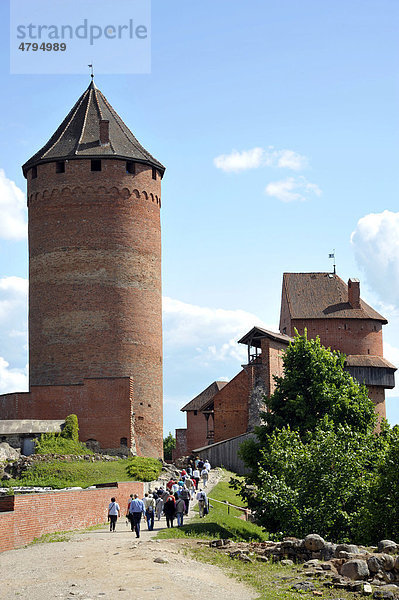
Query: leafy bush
x,y
140,468
314,485
52,443
71,428
66,442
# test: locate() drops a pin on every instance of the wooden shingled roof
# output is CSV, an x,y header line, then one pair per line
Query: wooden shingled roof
x,y
323,296
204,398
78,136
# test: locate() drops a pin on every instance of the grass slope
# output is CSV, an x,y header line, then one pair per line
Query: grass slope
x,y
59,474
219,524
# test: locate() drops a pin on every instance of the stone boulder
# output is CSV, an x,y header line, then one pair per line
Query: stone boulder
x,y
380,562
387,546
313,542
355,569
8,453
349,548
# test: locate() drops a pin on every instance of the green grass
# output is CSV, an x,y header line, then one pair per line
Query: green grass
x,y
219,524
140,468
271,580
59,474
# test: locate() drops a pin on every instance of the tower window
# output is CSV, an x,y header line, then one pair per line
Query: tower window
x,y
34,172
96,165
60,166
123,441
130,167
154,173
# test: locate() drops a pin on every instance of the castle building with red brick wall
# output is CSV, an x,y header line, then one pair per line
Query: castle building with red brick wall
x,y
95,298
326,307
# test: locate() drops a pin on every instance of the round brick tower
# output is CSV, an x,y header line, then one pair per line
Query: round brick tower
x,y
94,198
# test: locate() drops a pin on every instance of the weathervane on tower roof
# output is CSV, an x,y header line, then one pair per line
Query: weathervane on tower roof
x,y
332,256
92,72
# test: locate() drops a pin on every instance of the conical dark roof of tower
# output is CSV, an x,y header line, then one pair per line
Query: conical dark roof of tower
x,y
78,136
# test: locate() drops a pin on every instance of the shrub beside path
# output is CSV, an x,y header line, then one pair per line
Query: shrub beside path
x,y
98,564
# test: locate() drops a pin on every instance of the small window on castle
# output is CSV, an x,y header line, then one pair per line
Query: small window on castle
x,y
60,166
96,165
195,413
34,172
154,173
123,441
130,167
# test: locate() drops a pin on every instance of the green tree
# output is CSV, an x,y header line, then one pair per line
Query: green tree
x,y
316,458
169,443
318,484
315,385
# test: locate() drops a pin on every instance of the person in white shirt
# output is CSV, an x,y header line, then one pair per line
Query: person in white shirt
x,y
113,513
202,503
204,477
207,465
196,476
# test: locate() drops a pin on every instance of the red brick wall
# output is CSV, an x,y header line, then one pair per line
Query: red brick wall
x,y
37,514
231,407
196,430
181,444
103,407
272,359
377,395
95,283
350,336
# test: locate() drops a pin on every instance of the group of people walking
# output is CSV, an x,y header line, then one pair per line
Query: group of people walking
x,y
173,502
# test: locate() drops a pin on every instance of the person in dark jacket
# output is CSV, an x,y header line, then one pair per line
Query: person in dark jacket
x,y
169,509
180,508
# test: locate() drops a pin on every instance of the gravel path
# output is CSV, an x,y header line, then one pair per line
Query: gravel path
x,y
101,565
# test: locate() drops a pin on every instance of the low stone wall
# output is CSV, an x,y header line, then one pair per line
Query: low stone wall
x,y
373,570
24,517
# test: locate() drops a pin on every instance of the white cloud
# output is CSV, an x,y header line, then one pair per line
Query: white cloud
x,y
210,334
12,380
13,213
292,189
376,246
288,159
13,333
259,157
240,161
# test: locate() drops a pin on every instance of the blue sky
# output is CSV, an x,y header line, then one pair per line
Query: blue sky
x,y
278,125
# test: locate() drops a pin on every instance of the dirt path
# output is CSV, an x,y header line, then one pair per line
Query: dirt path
x,y
107,566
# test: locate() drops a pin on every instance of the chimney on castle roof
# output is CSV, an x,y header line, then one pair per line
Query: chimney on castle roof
x,y
104,131
354,293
